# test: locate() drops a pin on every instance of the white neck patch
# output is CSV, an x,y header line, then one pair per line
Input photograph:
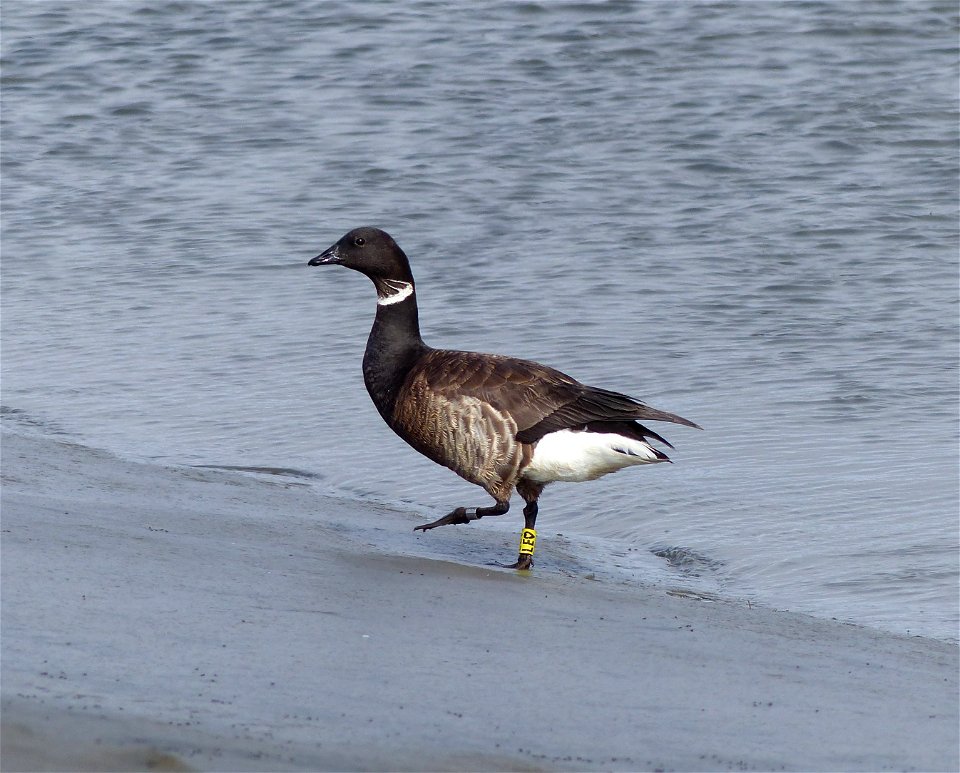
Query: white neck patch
x,y
394,291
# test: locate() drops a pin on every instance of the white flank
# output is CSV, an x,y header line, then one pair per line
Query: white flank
x,y
401,290
577,456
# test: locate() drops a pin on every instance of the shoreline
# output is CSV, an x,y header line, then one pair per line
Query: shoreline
x,y
190,618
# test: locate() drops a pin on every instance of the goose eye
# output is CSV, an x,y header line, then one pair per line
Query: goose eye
x,y
359,241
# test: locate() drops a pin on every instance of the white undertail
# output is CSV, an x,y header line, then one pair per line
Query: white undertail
x,y
578,455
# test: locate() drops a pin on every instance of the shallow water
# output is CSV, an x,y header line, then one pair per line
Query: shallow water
x,y
745,213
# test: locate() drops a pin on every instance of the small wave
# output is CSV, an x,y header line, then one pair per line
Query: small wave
x,y
687,561
16,418
289,472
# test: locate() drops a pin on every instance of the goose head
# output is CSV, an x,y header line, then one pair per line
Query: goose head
x,y
371,252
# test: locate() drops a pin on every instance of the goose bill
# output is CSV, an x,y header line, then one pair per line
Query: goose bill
x,y
329,257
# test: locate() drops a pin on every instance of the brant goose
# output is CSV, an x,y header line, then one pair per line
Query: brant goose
x,y
499,422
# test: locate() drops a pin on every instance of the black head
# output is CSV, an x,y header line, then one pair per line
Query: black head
x,y
370,251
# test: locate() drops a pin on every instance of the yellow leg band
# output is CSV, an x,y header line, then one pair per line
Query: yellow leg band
x,y
528,541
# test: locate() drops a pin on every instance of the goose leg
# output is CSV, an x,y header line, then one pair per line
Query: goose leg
x,y
466,514
528,537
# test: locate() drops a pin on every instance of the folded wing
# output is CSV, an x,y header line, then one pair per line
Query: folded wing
x,y
539,399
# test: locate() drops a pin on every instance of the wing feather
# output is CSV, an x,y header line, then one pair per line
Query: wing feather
x,y
539,399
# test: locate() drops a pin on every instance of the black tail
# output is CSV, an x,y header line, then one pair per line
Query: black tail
x,y
631,429
594,404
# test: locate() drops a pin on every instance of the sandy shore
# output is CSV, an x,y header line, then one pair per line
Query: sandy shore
x,y
178,618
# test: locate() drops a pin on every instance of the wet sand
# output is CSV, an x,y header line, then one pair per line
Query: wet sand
x,y
172,618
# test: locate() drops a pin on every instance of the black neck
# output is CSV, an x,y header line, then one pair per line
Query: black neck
x,y
392,348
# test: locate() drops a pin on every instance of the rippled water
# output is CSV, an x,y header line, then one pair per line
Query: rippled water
x,y
745,213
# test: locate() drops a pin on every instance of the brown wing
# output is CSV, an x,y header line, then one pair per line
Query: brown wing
x,y
537,398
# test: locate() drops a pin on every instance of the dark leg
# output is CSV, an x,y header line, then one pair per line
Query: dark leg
x,y
465,515
528,537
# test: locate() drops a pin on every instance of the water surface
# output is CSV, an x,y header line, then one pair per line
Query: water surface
x,y
745,213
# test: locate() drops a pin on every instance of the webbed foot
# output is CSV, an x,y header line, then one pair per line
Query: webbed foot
x,y
522,563
457,516
465,515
